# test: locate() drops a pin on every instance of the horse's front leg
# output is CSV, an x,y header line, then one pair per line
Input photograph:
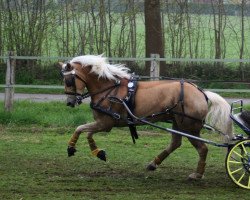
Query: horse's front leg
x,y
100,153
90,128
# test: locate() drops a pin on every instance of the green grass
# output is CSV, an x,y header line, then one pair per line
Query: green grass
x,y
34,162
37,91
48,114
34,165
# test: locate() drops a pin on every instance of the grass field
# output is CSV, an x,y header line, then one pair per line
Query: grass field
x,y
34,162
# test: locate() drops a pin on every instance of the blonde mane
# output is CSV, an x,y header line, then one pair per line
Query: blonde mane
x,y
102,68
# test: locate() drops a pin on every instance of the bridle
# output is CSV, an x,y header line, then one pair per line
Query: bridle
x,y
73,76
71,83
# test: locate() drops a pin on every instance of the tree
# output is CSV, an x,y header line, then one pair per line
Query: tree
x,y
242,19
132,22
153,31
26,24
1,28
219,23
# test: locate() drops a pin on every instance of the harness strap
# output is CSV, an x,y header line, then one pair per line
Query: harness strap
x,y
106,111
130,102
87,94
182,98
170,111
105,96
77,76
133,132
96,106
200,89
185,115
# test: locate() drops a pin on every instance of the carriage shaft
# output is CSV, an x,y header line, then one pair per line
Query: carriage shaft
x,y
172,130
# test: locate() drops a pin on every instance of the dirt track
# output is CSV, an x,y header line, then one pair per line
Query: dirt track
x,y
55,97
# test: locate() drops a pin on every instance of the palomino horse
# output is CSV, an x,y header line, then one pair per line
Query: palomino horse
x,y
182,102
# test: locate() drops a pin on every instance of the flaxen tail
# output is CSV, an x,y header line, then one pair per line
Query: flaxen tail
x,y
219,115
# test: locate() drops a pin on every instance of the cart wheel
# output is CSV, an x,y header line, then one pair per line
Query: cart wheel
x,y
238,163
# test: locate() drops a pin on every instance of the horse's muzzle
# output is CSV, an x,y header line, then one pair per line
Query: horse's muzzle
x,y
71,100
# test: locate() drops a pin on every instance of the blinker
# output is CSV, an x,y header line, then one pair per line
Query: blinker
x,y
65,73
69,81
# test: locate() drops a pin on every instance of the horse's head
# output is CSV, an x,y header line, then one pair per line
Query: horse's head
x,y
93,72
74,82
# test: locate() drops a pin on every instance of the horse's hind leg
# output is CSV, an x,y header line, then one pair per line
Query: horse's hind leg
x,y
175,143
202,151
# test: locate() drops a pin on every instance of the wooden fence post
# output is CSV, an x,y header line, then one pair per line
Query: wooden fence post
x,y
155,67
9,81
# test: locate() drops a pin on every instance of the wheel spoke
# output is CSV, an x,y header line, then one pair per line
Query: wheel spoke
x,y
243,147
238,163
235,152
241,177
237,170
235,162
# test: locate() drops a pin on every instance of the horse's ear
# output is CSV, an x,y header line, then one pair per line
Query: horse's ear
x,y
60,65
68,67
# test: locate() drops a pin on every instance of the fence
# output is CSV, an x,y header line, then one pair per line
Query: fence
x,y
154,71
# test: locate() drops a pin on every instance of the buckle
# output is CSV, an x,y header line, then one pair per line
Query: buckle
x,y
117,82
131,85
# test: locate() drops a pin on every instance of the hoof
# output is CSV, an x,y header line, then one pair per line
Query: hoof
x,y
71,151
151,166
195,176
101,155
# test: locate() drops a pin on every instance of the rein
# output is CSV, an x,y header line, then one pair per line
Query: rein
x,y
87,94
80,97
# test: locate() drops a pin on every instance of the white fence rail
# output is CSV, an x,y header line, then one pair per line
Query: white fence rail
x,y
32,86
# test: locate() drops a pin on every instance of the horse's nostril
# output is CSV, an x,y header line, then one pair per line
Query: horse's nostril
x,y
71,104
